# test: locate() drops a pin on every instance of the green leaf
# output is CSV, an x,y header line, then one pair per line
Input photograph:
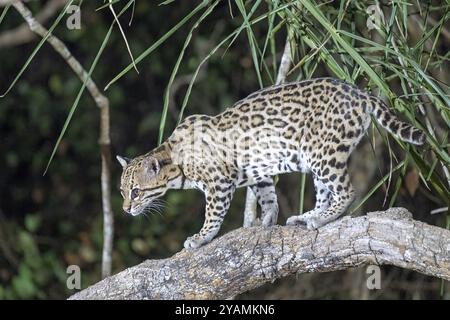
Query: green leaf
x,y
232,35
80,92
175,69
312,7
375,187
158,43
251,36
35,51
5,10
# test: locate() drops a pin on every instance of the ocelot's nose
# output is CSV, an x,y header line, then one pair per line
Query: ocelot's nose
x,y
126,209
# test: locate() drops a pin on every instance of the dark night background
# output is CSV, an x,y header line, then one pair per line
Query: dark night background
x,y
50,221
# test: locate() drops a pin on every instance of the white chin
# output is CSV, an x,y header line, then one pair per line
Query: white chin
x,y
135,213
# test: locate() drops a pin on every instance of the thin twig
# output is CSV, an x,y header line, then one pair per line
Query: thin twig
x,y
104,139
22,34
4,3
439,210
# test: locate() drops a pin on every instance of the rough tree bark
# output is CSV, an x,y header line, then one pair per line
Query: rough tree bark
x,y
249,257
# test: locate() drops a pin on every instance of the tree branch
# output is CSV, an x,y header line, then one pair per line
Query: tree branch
x,y
104,139
247,258
22,34
4,3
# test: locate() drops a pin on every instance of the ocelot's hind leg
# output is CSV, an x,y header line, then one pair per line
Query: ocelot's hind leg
x,y
336,186
267,199
323,199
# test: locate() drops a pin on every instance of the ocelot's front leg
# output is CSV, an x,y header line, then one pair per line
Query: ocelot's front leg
x,y
218,199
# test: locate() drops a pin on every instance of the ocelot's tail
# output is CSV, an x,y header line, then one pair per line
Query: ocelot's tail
x,y
390,122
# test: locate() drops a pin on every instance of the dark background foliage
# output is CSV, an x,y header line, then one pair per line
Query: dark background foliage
x,y
48,222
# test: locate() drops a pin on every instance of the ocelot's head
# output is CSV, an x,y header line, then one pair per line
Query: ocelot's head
x,y
144,179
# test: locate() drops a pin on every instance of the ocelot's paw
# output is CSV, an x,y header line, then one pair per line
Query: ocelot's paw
x,y
269,219
195,241
311,220
255,223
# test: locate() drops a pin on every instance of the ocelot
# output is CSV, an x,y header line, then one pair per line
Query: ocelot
x,y
309,126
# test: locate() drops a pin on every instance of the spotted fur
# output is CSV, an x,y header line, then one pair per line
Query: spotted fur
x,y
309,126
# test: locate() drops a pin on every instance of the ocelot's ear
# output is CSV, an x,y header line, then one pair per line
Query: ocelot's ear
x,y
154,165
123,161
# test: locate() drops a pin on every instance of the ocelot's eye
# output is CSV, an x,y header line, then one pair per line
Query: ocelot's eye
x,y
134,193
